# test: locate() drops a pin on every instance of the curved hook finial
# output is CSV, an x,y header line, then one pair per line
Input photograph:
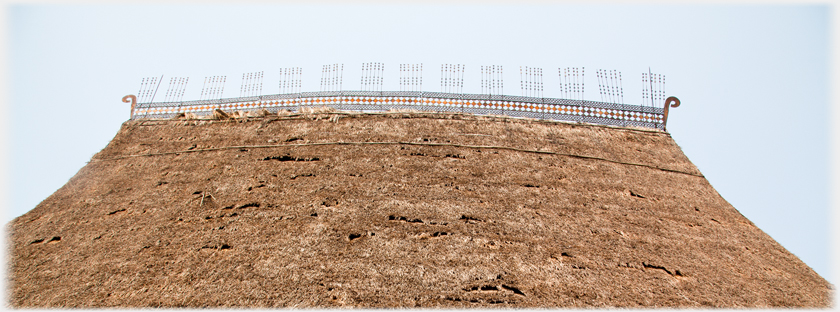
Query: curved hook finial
x,y
671,101
674,99
131,98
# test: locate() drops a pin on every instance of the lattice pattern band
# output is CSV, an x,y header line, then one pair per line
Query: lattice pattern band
x,y
516,106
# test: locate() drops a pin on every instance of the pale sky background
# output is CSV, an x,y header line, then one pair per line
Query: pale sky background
x,y
754,80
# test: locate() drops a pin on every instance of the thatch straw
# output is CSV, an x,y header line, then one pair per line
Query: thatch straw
x,y
424,210
221,115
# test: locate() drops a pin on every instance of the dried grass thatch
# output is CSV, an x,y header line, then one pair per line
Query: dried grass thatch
x,y
219,114
430,210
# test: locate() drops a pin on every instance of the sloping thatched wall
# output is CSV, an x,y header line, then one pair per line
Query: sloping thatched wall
x,y
396,210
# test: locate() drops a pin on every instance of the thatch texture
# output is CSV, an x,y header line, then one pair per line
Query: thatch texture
x,y
395,210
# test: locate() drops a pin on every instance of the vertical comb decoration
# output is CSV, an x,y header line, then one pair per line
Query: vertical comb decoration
x,y
141,94
451,78
531,81
380,77
459,78
621,88
220,87
662,88
332,77
449,81
571,82
485,89
251,84
148,88
600,76
491,80
581,83
259,84
245,78
653,89
213,88
608,78
175,90
610,86
404,77
323,75
498,78
290,80
340,76
500,81
645,89
563,74
170,89
419,79
365,73
411,77
372,76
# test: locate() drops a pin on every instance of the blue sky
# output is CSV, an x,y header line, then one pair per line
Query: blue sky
x,y
753,79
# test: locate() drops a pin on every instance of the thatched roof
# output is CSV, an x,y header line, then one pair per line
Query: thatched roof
x,y
396,210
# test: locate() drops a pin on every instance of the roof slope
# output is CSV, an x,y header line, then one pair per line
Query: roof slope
x,y
396,210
